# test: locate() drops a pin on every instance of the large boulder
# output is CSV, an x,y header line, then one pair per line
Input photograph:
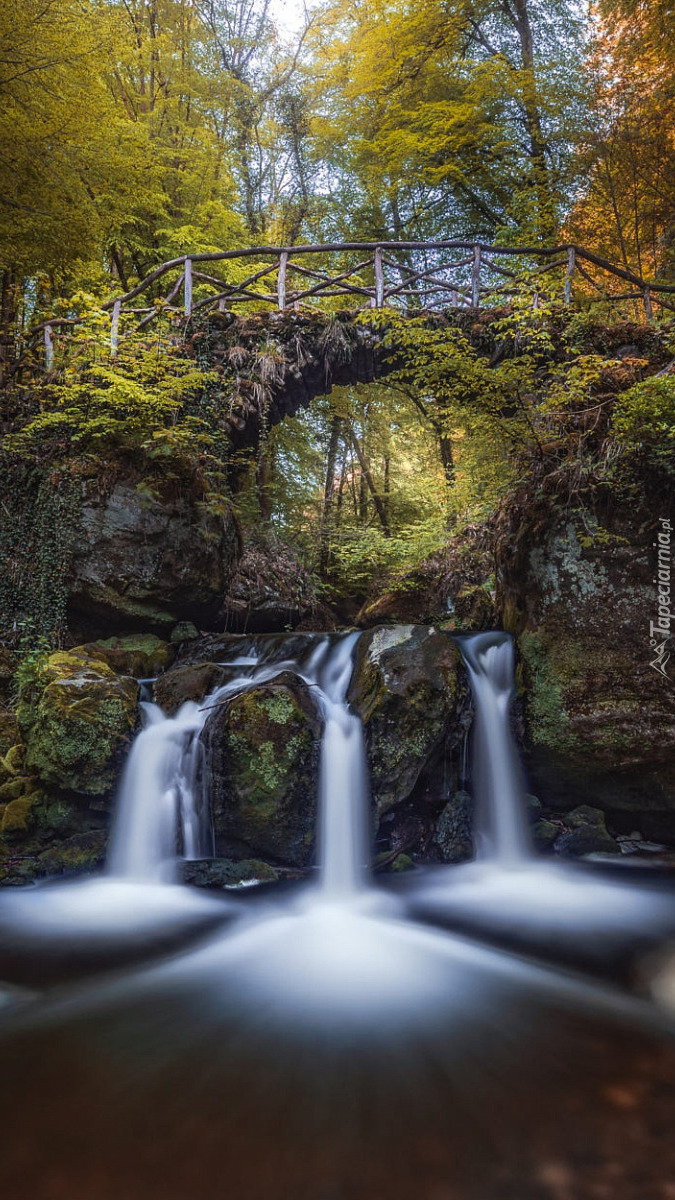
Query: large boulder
x,y
409,689
262,767
77,716
145,563
600,719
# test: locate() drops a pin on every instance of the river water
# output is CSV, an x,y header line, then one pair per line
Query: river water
x,y
497,1031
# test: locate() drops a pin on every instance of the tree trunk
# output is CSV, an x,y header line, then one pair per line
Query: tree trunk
x,y
263,478
366,475
328,493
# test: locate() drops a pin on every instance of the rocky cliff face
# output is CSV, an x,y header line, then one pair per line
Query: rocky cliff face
x,y
599,718
144,564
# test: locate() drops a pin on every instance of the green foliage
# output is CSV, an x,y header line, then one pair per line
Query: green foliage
x,y
136,401
644,421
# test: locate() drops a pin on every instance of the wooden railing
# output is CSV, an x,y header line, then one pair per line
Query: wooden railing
x,y
417,277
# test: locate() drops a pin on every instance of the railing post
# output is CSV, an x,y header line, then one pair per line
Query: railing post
x,y
281,282
475,277
115,327
649,312
571,263
49,348
187,287
379,278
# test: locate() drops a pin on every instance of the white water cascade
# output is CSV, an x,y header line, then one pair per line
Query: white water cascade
x,y
163,816
501,818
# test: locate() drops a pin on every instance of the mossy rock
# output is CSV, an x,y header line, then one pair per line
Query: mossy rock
x,y
184,631
193,682
262,754
17,817
15,759
14,787
76,856
77,717
140,655
408,689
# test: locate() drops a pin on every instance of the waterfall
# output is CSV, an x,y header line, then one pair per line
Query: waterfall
x,y
343,787
501,820
161,814
157,809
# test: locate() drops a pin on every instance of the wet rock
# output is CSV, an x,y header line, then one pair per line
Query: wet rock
x,y
586,834
193,682
544,834
533,805
227,873
262,756
409,690
77,717
453,831
144,563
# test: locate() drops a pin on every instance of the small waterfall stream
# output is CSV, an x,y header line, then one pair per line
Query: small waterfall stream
x,y
162,815
501,830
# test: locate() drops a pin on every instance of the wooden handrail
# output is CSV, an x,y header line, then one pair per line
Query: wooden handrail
x,y
421,285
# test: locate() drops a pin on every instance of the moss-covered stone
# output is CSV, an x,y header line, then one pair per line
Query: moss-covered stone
x,y
140,655
410,692
76,856
12,788
586,833
184,631
17,816
262,754
15,759
77,716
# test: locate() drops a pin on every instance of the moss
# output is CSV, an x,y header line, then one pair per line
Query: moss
x,y
402,862
16,817
15,759
263,751
77,718
13,788
547,718
140,655
184,631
